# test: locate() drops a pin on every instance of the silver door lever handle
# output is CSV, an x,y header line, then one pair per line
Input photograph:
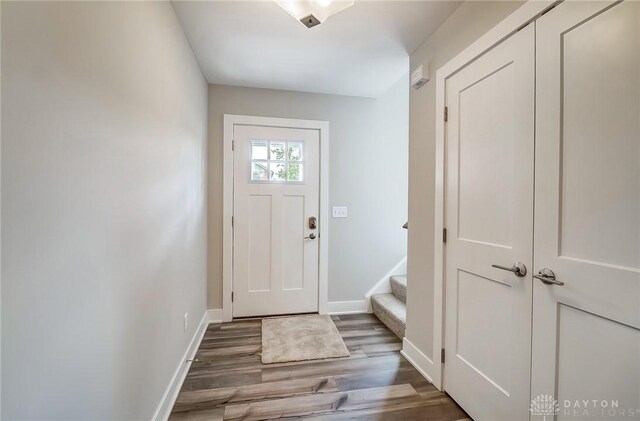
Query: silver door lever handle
x,y
547,277
518,269
311,236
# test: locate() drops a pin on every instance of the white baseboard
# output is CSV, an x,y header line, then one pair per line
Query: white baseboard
x,y
347,307
215,315
383,286
171,393
418,359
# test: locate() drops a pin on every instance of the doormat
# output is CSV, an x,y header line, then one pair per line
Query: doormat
x,y
301,338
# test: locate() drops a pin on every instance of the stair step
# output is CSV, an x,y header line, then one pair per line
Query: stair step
x,y
391,311
399,287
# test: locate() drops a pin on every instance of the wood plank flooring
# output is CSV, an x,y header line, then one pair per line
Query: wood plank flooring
x,y
375,383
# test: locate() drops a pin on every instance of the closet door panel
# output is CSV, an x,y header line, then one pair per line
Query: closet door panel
x,y
586,333
489,219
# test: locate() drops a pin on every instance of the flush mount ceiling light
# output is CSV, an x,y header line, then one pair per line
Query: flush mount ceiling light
x,y
313,12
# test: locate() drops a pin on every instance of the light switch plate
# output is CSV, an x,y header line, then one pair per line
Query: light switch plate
x,y
339,211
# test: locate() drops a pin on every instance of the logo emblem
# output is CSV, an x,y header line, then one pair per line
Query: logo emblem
x,y
544,405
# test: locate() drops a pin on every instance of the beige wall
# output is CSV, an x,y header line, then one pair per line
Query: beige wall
x,y
103,207
463,27
368,173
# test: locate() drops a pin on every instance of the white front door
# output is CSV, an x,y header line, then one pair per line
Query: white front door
x,y
489,219
276,198
586,332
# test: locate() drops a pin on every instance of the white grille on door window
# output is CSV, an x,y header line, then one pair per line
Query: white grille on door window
x,y
277,161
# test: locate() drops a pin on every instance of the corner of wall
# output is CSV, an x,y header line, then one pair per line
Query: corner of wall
x,y
214,315
421,362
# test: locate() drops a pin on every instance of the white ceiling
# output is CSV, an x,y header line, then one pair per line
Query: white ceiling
x,y
361,51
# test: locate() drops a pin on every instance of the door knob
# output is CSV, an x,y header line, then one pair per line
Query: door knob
x,y
311,236
518,269
547,277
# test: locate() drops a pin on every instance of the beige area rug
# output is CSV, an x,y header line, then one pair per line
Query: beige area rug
x,y
301,338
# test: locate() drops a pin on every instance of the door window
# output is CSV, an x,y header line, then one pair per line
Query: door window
x,y
277,161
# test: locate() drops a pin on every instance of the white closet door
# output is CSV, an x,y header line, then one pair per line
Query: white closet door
x,y
586,337
489,218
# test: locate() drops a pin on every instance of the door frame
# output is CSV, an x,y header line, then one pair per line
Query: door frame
x,y
524,15
232,120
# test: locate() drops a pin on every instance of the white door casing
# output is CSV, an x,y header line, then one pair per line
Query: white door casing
x,y
586,333
275,268
489,220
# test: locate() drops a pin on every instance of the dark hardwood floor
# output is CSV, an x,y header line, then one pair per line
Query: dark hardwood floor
x,y
375,383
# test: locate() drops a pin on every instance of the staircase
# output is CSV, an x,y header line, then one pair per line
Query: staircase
x,y
391,308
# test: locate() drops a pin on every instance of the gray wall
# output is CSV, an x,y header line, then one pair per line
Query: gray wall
x,y
469,22
103,207
368,173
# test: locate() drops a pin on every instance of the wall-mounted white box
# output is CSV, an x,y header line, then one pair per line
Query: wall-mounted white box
x,y
339,211
420,76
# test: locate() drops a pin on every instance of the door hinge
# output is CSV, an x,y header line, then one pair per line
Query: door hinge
x,y
232,221
442,355
233,145
444,235
231,296
446,113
